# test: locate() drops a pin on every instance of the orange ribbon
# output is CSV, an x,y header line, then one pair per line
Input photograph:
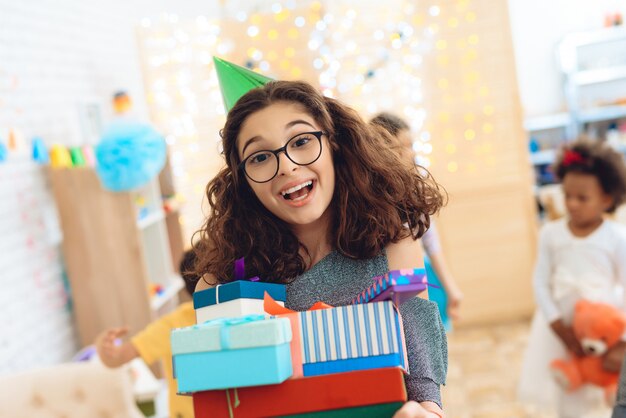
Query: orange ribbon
x,y
273,308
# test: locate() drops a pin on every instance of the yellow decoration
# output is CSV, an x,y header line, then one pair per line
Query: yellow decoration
x,y
450,148
470,16
473,39
296,72
281,16
487,128
488,110
470,134
290,52
443,83
418,19
483,91
468,117
293,33
272,34
284,64
60,157
316,6
453,167
441,44
256,19
443,117
453,22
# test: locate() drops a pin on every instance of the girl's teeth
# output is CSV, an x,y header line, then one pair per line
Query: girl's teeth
x,y
296,188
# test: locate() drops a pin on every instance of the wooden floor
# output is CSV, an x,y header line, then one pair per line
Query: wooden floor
x,y
484,364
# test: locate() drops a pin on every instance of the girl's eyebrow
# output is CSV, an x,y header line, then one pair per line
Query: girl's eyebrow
x,y
287,126
296,122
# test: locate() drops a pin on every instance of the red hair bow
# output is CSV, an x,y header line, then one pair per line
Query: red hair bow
x,y
572,157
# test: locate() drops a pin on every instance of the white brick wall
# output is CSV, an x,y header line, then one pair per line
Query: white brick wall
x,y
53,56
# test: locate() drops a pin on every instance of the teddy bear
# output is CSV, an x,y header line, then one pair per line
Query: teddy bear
x,y
598,327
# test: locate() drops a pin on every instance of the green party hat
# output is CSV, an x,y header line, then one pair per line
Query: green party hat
x,y
235,81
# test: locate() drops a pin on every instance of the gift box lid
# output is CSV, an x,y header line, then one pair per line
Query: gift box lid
x,y
236,290
230,334
396,285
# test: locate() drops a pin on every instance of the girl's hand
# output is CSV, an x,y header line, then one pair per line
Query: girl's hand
x,y
566,334
613,358
412,409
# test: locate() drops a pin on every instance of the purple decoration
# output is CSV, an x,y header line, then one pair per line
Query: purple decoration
x,y
240,271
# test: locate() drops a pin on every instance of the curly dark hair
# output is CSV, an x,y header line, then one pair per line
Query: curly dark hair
x,y
186,268
374,200
597,159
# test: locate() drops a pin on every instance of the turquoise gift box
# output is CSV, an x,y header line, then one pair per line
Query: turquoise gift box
x,y
232,352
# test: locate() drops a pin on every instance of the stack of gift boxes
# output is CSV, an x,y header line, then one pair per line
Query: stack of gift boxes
x,y
249,356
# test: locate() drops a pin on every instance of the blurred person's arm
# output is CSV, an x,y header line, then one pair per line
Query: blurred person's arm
x,y
110,352
543,295
432,246
614,357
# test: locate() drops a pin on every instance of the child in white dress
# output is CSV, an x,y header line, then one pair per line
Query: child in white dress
x,y
581,256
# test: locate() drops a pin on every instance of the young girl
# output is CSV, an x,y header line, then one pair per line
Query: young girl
x,y
581,256
310,200
448,296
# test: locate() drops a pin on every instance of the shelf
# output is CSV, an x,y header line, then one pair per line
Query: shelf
x,y
543,157
150,219
599,75
597,36
542,123
601,113
170,291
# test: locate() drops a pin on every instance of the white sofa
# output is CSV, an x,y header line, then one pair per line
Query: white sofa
x,y
69,390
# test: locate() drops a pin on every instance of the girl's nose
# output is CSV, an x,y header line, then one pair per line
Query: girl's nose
x,y
285,165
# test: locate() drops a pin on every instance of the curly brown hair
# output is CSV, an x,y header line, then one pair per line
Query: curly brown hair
x,y
597,159
374,200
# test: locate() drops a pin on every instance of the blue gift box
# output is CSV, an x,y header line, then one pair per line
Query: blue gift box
x,y
240,289
239,298
231,353
350,338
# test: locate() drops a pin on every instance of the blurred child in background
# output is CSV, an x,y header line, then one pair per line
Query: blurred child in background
x,y
153,343
448,297
580,256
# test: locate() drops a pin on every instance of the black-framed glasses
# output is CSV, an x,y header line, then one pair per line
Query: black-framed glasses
x,y
303,149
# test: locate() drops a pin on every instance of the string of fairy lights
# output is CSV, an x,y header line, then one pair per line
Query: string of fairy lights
x,y
369,55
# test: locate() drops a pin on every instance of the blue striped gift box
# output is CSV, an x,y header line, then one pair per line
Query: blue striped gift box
x,y
349,338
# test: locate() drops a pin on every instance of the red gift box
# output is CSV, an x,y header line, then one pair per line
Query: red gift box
x,y
307,394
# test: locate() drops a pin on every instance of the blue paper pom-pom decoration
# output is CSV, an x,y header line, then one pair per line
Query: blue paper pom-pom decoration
x,y
129,155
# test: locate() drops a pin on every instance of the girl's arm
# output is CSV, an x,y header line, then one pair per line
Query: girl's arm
x,y
425,337
613,359
541,279
543,294
202,283
406,254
